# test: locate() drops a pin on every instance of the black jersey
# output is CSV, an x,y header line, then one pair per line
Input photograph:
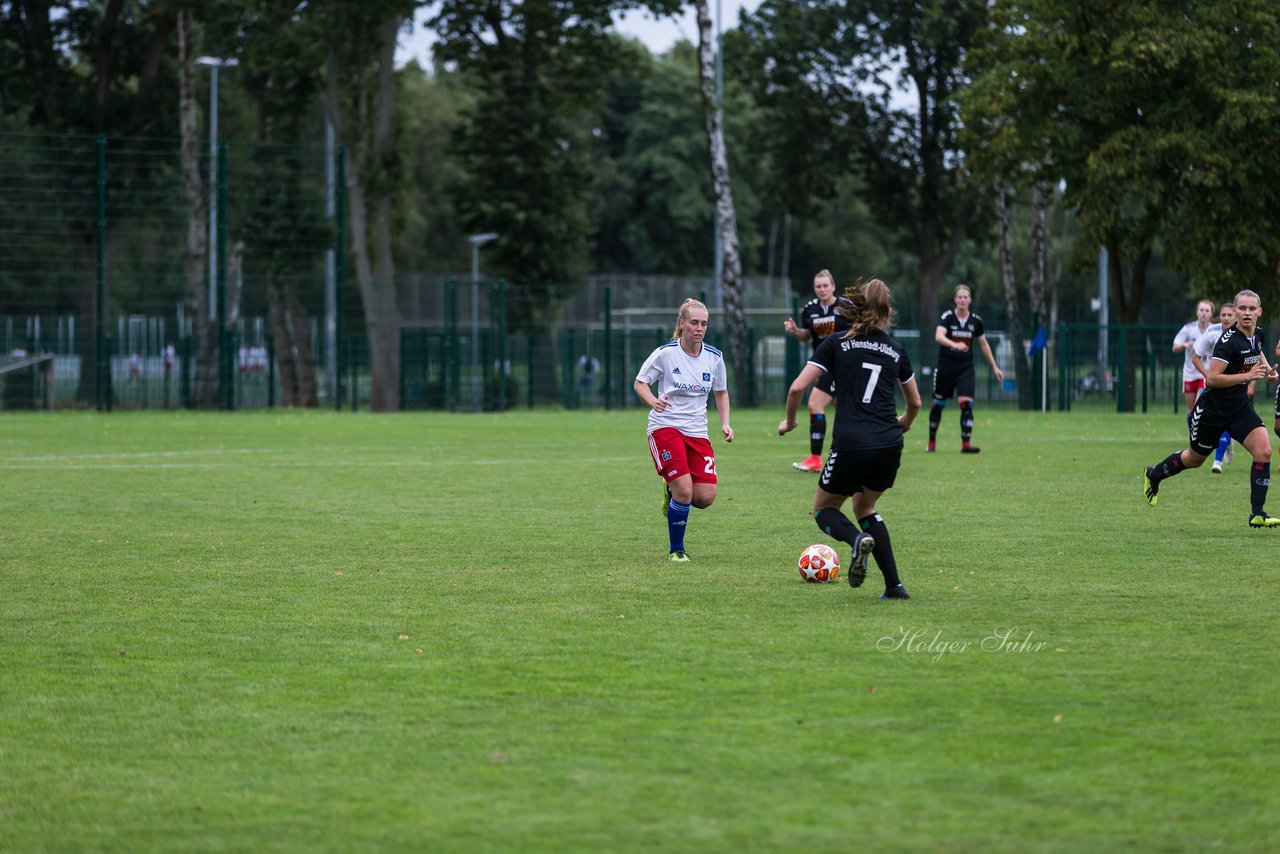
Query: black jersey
x,y
822,321
1241,353
966,332
868,370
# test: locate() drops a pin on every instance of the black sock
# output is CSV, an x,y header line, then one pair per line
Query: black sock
x,y
1258,482
1167,467
935,418
966,422
836,525
817,432
883,551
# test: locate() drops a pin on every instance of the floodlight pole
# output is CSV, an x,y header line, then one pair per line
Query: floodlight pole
x,y
477,240
213,63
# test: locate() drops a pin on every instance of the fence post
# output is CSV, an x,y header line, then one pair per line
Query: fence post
x,y
453,375
227,374
1064,382
1122,365
566,371
339,281
502,344
608,348
102,365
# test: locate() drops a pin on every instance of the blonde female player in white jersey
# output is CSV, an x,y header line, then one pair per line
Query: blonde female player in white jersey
x,y
686,370
1185,343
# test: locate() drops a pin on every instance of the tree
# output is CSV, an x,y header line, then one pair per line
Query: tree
x,y
1125,103
829,73
536,69
196,251
361,89
726,214
91,67
654,205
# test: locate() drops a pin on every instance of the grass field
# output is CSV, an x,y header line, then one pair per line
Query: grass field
x,y
334,632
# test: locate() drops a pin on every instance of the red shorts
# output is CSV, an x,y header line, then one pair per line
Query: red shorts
x,y
675,455
1193,386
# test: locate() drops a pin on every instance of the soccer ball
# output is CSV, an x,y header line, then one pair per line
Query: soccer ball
x,y
819,564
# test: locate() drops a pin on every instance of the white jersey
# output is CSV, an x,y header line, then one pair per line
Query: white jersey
x,y
686,381
1205,343
1188,335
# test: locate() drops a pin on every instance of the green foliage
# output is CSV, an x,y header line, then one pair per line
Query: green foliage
x,y
831,77
656,205
1158,117
316,631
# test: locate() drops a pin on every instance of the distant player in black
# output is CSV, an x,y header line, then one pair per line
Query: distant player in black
x,y
1236,362
867,366
818,320
958,330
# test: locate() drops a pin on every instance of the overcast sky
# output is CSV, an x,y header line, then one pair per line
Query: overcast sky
x,y
659,35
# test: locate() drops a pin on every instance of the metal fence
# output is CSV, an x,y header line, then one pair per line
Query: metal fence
x,y
97,296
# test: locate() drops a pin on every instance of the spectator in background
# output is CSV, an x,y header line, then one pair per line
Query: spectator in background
x,y
588,367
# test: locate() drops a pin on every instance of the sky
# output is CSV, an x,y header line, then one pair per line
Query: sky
x,y
658,35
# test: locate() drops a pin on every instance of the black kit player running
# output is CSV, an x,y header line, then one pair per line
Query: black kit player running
x,y
821,322
868,367
1225,405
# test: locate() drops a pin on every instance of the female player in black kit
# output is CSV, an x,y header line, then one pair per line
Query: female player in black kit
x,y
818,320
1225,405
866,442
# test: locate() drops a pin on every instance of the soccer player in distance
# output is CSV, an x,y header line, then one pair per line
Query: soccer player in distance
x,y
1185,343
1200,354
958,330
867,366
1237,360
818,320
686,370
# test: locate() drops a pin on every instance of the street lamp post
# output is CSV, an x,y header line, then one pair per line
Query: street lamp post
x,y
477,240
213,63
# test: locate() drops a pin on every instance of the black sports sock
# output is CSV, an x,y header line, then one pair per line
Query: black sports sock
x,y
836,525
1259,480
883,551
817,432
1167,467
935,418
966,422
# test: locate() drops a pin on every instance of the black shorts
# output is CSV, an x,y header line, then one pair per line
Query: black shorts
x,y
1278,401
1208,422
950,380
849,471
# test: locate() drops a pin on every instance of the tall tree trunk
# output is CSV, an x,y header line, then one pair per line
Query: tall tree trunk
x,y
1021,367
1035,287
736,329
280,334
1039,199
304,360
1126,307
377,289
195,254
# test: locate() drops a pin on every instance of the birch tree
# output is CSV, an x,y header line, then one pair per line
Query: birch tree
x,y
726,218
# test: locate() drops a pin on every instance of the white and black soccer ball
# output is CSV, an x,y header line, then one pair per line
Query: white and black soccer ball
x,y
819,564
